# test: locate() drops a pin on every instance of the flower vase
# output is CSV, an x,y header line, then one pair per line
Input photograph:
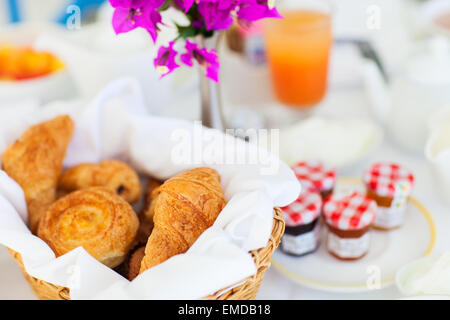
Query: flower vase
x,y
211,103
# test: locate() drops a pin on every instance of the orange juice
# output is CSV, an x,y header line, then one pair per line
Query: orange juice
x,y
298,48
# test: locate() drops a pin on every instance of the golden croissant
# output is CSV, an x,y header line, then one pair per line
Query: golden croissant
x,y
112,174
35,160
186,205
96,219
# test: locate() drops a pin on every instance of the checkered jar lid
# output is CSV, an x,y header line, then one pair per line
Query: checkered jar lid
x,y
315,176
388,179
304,210
350,212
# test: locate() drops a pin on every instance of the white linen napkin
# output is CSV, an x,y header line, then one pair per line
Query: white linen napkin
x,y
115,125
429,275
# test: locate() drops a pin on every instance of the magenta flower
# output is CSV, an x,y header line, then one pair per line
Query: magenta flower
x,y
184,5
165,61
208,59
253,10
127,3
205,17
217,14
131,14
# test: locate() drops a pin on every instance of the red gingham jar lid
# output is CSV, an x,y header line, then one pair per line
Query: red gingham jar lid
x,y
386,179
314,175
304,210
350,212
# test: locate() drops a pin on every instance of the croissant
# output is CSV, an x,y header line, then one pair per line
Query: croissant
x,y
112,174
35,160
186,205
96,219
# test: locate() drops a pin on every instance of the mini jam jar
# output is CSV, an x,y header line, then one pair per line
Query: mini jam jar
x,y
302,224
349,219
315,176
390,185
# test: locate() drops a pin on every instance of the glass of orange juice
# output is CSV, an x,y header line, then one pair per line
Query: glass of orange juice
x,y
298,49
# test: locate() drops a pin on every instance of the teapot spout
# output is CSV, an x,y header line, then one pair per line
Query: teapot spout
x,y
377,90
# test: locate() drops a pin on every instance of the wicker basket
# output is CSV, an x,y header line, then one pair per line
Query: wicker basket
x,y
247,290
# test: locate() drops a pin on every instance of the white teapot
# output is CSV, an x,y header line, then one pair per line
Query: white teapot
x,y
420,88
437,151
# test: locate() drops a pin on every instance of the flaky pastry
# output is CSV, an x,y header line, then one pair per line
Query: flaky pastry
x,y
113,174
186,205
35,160
96,219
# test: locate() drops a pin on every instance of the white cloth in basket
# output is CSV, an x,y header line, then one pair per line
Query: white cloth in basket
x,y
116,125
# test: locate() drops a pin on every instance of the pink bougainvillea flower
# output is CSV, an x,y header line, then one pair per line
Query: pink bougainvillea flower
x,y
131,14
253,10
205,16
184,5
127,3
152,26
208,59
217,14
165,61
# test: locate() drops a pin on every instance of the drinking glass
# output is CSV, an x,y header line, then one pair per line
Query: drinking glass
x,y
298,49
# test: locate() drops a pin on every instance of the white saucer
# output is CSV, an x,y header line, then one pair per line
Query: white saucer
x,y
389,251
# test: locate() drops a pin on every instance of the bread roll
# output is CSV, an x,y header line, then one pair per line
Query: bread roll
x,y
96,219
113,174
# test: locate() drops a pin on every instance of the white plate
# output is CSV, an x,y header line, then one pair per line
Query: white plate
x,y
334,136
388,252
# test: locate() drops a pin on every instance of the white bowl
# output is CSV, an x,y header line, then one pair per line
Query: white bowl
x,y
44,89
57,85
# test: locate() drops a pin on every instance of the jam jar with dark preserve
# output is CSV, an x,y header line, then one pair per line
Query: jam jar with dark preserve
x,y
314,175
302,224
349,219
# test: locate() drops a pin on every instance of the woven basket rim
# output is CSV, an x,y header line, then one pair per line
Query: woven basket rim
x,y
246,290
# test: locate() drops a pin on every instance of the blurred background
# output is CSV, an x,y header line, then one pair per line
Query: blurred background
x,y
377,60
354,34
